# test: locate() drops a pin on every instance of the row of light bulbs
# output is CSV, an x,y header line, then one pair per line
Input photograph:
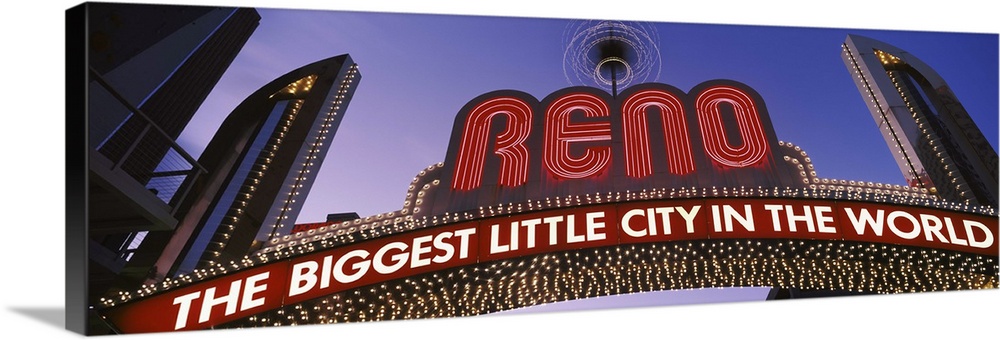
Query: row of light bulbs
x,y
626,269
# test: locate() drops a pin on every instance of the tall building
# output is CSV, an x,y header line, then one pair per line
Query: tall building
x,y
260,166
149,68
936,144
164,60
136,74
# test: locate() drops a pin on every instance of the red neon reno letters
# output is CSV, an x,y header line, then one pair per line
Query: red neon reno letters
x,y
509,145
581,127
560,133
638,160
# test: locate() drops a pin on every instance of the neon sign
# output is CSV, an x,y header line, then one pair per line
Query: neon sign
x,y
652,135
509,147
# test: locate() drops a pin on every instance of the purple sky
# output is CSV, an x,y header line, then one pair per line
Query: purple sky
x,y
418,70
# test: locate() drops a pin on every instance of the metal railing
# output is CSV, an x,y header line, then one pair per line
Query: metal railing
x,y
138,147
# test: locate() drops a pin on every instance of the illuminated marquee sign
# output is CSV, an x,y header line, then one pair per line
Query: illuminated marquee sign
x,y
270,286
509,147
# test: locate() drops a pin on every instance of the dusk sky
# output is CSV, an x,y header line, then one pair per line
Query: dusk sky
x,y
418,70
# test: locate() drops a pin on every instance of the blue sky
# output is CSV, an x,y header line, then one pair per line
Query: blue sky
x,y
418,70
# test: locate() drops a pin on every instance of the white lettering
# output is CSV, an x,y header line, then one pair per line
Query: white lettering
x,y
823,219
893,216
775,218
419,249
951,233
361,267
864,218
398,260
553,232
531,224
805,217
593,225
464,242
303,277
627,227
252,288
689,217
496,248
932,227
439,243
729,215
988,236
185,308
571,236
211,301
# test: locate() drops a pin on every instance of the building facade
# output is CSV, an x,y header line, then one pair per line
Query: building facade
x,y
149,68
934,141
260,166
136,74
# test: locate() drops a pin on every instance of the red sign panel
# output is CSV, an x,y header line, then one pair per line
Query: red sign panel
x,y
382,259
204,304
662,221
774,218
231,297
508,146
551,231
921,227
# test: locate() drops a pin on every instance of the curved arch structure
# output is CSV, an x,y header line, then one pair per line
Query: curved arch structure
x,y
855,239
261,165
934,141
570,275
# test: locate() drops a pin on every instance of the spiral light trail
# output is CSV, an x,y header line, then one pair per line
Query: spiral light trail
x,y
610,55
